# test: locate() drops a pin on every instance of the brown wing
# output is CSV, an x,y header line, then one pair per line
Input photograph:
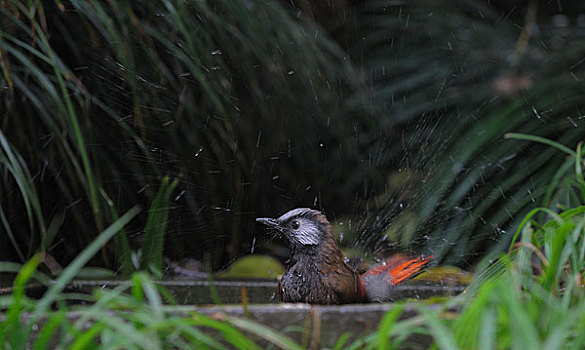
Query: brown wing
x,y
345,284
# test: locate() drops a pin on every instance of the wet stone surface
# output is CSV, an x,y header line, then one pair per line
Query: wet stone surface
x,y
256,292
314,325
201,292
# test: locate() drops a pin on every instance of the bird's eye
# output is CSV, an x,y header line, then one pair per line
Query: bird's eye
x,y
295,225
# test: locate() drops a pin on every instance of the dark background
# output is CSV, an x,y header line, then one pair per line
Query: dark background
x,y
389,116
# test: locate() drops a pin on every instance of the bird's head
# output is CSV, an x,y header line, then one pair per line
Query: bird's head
x,y
302,226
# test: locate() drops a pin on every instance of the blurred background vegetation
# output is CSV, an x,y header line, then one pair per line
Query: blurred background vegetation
x,y
388,115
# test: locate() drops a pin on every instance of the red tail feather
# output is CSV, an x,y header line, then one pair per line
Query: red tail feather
x,y
378,282
399,268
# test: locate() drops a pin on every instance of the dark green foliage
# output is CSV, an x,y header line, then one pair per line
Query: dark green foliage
x,y
15,330
131,316
531,298
152,248
396,116
449,80
239,101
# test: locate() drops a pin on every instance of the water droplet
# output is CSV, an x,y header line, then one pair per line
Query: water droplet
x,y
258,139
179,195
536,113
253,246
573,123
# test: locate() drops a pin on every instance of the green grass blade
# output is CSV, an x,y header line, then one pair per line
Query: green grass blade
x,y
86,337
12,160
132,336
11,331
441,333
16,268
230,334
77,264
152,249
10,235
195,335
487,330
579,160
340,344
539,139
152,296
47,332
527,218
385,326
266,333
124,250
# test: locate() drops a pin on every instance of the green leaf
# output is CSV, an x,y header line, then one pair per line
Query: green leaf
x,y
385,326
77,264
264,332
441,333
152,249
543,140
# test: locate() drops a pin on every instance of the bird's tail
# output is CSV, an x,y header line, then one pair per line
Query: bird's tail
x,y
377,283
399,268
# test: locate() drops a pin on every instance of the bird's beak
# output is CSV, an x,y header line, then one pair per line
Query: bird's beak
x,y
272,223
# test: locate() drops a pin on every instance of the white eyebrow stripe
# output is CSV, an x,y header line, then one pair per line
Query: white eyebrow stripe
x,y
295,212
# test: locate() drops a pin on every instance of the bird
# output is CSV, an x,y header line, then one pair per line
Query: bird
x,y
317,273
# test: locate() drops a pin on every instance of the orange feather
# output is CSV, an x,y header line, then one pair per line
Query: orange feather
x,y
399,268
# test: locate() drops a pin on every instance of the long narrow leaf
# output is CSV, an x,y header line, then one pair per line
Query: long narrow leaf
x,y
70,271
